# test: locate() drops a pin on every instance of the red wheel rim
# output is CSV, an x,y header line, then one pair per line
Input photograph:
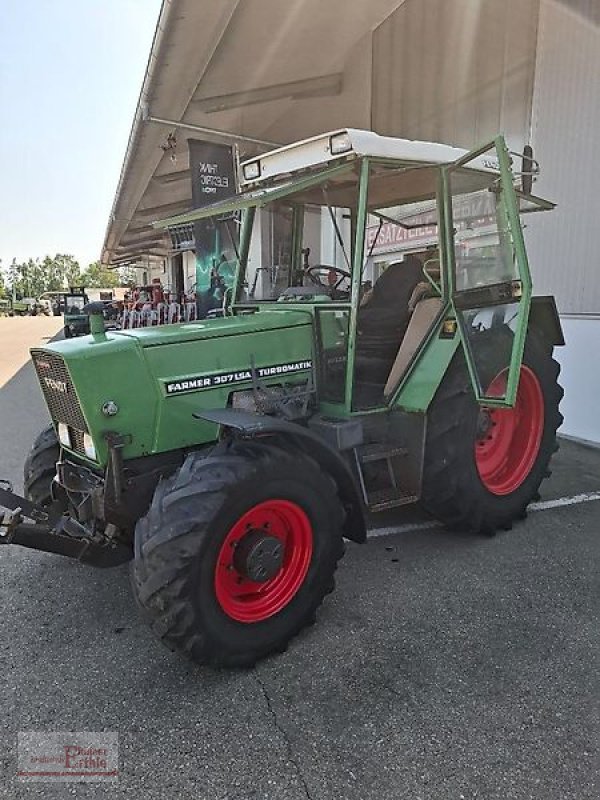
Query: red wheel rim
x,y
245,600
506,452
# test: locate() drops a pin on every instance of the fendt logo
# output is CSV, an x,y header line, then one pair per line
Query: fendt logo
x,y
56,386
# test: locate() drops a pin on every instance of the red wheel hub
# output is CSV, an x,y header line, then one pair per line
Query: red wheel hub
x,y
263,560
506,450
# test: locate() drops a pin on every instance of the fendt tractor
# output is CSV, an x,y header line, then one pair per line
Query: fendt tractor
x,y
228,458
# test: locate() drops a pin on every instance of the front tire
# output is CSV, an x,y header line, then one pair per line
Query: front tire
x,y
237,552
482,469
40,467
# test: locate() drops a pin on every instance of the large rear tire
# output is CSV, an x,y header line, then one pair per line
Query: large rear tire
x,y
40,467
482,468
237,552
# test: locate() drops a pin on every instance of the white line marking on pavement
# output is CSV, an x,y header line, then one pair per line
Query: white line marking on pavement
x,y
408,528
575,500
543,505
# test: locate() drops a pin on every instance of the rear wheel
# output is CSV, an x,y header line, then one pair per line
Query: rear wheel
x,y
237,552
508,441
484,466
40,467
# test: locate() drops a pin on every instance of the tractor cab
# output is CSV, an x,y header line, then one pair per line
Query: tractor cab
x,y
314,213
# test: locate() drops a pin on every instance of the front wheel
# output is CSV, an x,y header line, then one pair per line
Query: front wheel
x,y
40,467
484,466
237,552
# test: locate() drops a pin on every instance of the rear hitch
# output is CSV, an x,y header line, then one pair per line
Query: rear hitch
x,y
49,530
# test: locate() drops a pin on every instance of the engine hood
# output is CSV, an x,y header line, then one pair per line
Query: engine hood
x,y
264,320
146,384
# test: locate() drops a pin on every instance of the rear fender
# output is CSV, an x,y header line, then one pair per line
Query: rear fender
x,y
257,426
543,317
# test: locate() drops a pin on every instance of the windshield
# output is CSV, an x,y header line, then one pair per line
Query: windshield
x,y
301,245
74,304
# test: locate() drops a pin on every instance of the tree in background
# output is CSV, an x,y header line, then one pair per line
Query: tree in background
x,y
27,279
127,277
61,271
13,277
33,277
57,273
99,276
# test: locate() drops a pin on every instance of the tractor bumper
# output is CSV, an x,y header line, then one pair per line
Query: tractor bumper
x,y
25,524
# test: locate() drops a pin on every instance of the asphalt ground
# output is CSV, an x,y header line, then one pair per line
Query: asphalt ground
x,y
443,666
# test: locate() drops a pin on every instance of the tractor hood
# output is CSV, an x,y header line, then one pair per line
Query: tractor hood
x,y
145,384
265,320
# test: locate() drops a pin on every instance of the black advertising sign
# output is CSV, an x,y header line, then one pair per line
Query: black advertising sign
x,y
211,167
213,179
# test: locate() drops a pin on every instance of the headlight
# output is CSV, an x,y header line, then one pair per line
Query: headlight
x,y
64,437
252,171
88,447
340,143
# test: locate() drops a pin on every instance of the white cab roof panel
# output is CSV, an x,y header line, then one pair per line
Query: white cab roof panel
x,y
316,152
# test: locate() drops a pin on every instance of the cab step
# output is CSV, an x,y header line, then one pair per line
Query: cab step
x,y
377,452
380,472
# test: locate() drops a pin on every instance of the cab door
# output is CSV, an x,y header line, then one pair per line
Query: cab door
x,y
489,280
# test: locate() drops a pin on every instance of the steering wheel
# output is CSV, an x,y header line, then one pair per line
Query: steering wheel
x,y
331,287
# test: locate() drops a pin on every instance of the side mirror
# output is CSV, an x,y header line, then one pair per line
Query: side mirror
x,y
527,169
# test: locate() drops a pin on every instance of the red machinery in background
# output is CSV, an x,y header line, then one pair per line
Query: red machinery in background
x,y
154,304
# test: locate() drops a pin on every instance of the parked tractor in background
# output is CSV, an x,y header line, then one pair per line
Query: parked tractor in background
x,y
76,321
229,459
23,307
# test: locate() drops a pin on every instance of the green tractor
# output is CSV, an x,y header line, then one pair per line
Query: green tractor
x,y
229,458
25,307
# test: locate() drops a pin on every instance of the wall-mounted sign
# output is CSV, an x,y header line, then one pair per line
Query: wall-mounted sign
x,y
212,171
215,241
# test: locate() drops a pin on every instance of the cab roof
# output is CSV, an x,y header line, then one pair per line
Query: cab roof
x,y
282,171
339,145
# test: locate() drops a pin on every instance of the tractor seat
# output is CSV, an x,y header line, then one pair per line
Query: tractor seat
x,y
383,321
426,312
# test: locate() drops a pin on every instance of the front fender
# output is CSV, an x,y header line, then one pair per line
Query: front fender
x,y
255,426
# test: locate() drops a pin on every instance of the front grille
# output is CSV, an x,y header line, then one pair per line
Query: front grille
x,y
59,394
